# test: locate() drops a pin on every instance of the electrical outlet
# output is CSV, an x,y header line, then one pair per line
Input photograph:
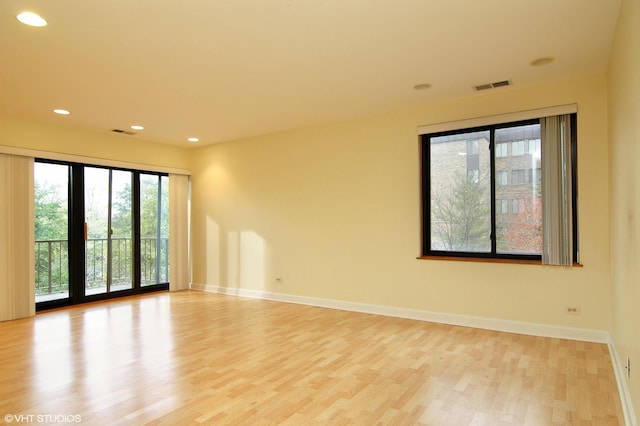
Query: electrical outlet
x,y
628,368
278,280
572,310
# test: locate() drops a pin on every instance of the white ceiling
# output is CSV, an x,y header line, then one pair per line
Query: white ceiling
x,y
225,69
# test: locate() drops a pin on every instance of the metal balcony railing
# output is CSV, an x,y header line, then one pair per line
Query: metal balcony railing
x,y
52,263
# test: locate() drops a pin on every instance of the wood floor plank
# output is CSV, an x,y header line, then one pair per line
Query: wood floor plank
x,y
197,358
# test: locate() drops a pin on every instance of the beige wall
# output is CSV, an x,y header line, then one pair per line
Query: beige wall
x,y
624,134
41,136
334,211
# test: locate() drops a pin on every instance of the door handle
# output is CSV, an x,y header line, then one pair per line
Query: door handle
x,y
86,231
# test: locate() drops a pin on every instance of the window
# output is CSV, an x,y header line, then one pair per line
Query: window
x,y
458,193
154,229
517,148
502,177
517,177
501,150
100,232
534,147
495,209
535,176
502,206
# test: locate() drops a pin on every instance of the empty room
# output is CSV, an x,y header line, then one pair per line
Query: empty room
x,y
302,212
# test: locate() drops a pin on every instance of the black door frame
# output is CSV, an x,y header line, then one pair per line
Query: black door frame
x,y
76,242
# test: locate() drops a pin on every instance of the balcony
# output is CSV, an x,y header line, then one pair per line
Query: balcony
x,y
52,266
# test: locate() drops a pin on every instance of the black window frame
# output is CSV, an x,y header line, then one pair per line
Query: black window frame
x,y
76,239
425,192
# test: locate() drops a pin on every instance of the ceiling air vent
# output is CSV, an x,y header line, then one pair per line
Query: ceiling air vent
x,y
124,132
488,86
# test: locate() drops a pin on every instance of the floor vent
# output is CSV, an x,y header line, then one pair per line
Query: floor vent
x,y
123,132
488,86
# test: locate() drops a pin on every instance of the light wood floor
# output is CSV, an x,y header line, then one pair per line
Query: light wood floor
x,y
192,357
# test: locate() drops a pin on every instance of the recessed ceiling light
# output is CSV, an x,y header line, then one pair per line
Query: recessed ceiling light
x,y
423,86
136,127
31,19
542,61
61,111
193,139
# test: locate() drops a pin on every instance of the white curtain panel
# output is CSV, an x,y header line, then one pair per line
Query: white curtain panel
x,y
178,232
557,238
17,259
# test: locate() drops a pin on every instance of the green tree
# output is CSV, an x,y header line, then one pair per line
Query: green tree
x,y
154,244
51,224
121,220
50,212
51,231
460,216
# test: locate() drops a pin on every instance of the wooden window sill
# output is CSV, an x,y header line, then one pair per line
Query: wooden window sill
x,y
489,260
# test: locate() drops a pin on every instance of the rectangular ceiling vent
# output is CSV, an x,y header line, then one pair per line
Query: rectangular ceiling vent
x,y
488,86
124,132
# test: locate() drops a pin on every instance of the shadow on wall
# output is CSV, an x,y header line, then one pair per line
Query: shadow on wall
x,y
235,259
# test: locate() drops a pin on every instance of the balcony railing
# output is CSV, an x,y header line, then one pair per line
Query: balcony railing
x,y
52,263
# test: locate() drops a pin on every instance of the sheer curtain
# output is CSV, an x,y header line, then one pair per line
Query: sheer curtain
x,y
178,232
17,260
557,223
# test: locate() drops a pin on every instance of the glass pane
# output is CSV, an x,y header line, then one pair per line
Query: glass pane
x,y
108,247
154,229
501,150
519,208
461,193
164,231
51,184
96,216
517,148
121,231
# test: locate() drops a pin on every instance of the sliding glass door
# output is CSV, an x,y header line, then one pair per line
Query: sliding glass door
x,y
108,230
154,229
100,232
51,204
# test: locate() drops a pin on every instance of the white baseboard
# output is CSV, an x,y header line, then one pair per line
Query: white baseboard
x,y
623,389
532,329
